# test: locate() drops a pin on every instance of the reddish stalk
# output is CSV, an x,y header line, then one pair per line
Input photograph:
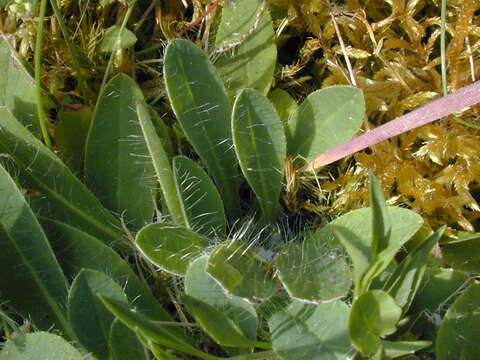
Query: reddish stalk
x,y
200,18
456,101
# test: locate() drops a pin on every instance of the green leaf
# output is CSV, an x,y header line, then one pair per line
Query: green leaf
x,y
459,335
200,201
354,231
284,103
200,102
70,134
64,198
162,131
17,89
76,250
252,63
374,315
313,271
404,283
259,141
438,290
216,324
170,247
239,272
328,117
125,344
90,320
150,330
381,226
238,17
118,168
161,164
314,332
39,346
111,38
463,253
32,281
394,349
237,312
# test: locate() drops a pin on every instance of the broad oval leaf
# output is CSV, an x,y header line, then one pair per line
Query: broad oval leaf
x,y
312,271
328,117
201,286
374,315
200,102
150,330
39,346
90,320
161,163
216,324
238,18
284,103
118,168
112,39
170,247
354,231
240,273
315,332
64,198
32,281
463,253
252,63
259,141
76,250
459,335
200,201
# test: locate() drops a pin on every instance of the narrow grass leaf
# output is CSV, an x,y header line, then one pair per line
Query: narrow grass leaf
x,y
78,250
252,63
64,198
394,349
161,164
328,117
170,247
124,343
118,168
150,330
459,335
90,320
200,102
315,332
381,227
201,286
404,283
17,89
240,273
200,201
313,271
374,315
39,346
260,144
32,280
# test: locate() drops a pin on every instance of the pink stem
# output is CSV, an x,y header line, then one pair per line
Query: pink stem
x,y
463,98
200,18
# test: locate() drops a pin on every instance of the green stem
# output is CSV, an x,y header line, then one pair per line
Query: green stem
x,y
442,47
112,55
71,48
38,79
258,355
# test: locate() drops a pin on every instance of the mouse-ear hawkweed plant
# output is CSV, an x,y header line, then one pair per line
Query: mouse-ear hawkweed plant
x,y
148,253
